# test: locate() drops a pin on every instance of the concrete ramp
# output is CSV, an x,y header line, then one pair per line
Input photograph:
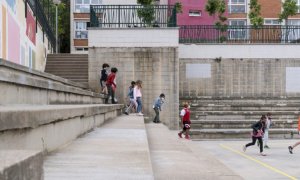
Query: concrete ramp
x,y
117,150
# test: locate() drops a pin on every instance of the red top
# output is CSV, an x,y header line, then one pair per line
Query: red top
x,y
110,79
186,117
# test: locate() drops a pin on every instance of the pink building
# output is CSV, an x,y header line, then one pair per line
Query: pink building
x,y
193,13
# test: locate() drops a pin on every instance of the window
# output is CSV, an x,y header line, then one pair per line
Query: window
x,y
83,6
237,29
237,6
82,49
271,22
194,13
81,30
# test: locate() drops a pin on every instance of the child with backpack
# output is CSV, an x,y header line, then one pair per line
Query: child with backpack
x,y
257,134
186,122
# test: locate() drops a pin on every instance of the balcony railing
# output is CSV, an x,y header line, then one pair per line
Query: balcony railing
x,y
47,24
126,16
239,34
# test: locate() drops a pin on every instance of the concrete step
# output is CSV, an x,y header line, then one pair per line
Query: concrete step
x,y
239,124
247,108
21,164
239,133
117,150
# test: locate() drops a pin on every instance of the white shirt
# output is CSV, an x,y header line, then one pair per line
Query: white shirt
x,y
182,112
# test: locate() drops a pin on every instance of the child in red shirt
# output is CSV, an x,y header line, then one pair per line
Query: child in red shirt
x,y
186,122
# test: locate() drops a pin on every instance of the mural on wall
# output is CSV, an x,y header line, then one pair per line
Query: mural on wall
x,y
13,39
30,27
12,5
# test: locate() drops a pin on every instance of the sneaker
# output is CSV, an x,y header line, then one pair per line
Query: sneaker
x,y
266,147
140,114
244,148
290,149
180,135
262,154
126,113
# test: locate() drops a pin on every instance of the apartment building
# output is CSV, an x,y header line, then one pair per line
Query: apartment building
x,y
237,12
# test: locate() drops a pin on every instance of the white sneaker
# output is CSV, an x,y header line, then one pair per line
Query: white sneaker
x,y
262,154
140,114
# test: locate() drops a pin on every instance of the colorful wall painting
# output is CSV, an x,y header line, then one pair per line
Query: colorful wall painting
x,y
30,28
12,5
14,39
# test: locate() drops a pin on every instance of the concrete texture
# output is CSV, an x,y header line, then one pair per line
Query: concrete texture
x,y
19,84
50,127
278,164
21,165
157,67
172,158
29,116
117,150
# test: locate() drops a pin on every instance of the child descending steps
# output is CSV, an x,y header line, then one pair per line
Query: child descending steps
x,y
186,122
257,134
157,107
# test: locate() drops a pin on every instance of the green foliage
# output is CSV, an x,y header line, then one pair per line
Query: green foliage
x,y
218,7
147,14
254,14
64,26
290,8
144,2
178,7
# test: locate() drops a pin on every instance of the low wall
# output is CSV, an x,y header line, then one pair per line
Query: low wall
x,y
47,128
245,72
22,85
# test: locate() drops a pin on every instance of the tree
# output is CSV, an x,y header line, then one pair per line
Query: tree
x,y
146,13
290,8
64,26
254,14
218,7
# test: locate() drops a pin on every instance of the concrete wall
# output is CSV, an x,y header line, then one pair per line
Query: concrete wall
x,y
150,55
267,71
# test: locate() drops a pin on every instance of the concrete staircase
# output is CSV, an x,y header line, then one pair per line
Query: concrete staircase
x,y
232,118
73,67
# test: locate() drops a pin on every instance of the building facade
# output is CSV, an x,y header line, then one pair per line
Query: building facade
x,y
237,12
22,39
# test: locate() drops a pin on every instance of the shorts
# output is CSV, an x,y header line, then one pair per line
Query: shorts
x,y
186,126
103,83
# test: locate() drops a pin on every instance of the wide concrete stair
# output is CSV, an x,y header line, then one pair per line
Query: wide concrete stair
x,y
73,67
232,118
40,113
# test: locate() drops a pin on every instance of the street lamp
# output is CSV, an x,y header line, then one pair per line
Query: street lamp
x,y
56,2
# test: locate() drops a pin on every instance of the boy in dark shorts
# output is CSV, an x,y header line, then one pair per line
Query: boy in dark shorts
x,y
186,122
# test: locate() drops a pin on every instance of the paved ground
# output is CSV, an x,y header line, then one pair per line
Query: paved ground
x,y
278,164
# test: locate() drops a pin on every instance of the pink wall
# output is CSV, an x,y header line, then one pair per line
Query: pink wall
x,y
184,18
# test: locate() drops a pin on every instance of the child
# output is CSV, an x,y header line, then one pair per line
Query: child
x,y
257,133
266,134
103,79
137,95
186,122
131,98
292,147
157,107
111,85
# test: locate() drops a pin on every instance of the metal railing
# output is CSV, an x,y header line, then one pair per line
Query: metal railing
x,y
239,34
126,16
46,21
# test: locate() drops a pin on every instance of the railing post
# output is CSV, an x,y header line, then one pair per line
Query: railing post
x,y
119,10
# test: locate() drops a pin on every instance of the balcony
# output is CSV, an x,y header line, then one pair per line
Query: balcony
x,y
239,34
132,16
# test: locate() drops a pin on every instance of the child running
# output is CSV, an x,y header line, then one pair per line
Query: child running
x,y
257,134
292,147
186,122
133,103
157,107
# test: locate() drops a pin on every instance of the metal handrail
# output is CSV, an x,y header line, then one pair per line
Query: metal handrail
x,y
239,34
126,16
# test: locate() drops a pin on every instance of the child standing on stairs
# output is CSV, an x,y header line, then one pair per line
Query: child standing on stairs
x,y
186,122
103,78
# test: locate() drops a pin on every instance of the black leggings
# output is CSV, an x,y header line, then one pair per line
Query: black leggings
x,y
253,142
